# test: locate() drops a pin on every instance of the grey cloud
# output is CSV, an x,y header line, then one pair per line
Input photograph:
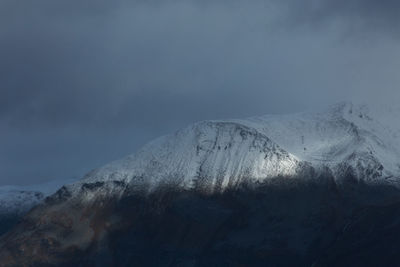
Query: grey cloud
x,y
354,15
84,82
68,63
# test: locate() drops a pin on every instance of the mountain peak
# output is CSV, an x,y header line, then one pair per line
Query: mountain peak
x,y
214,155
211,155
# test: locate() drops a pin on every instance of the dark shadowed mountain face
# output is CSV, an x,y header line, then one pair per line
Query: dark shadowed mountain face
x,y
7,221
284,222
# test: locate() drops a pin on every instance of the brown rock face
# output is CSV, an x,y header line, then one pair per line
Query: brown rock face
x,y
61,228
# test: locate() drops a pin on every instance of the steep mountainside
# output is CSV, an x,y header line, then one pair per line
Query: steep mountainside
x,y
365,138
210,155
346,139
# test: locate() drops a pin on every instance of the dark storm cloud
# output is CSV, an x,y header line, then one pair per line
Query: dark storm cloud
x,y
84,82
94,62
357,15
91,61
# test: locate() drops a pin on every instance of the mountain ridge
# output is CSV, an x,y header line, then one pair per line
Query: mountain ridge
x,y
346,138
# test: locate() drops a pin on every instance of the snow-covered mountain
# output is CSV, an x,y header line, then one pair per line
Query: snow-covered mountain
x,y
17,200
348,140
125,214
359,141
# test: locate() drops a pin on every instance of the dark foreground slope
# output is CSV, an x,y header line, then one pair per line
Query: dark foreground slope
x,y
282,223
16,201
7,221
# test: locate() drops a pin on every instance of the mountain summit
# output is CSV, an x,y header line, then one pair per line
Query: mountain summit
x,y
348,140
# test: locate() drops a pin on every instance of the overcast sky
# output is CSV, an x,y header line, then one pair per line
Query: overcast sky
x,y
83,82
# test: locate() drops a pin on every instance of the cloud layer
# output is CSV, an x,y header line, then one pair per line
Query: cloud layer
x,y
84,82
369,15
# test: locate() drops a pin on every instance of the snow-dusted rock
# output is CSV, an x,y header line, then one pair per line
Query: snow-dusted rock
x,y
348,139
362,139
17,200
210,155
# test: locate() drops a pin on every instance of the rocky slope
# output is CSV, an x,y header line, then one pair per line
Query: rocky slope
x,y
279,223
16,201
